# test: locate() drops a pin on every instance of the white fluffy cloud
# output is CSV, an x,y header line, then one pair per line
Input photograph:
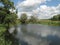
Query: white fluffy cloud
x,y
28,3
46,12
33,7
28,14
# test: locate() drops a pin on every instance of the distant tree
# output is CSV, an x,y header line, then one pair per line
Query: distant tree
x,y
56,17
33,19
23,18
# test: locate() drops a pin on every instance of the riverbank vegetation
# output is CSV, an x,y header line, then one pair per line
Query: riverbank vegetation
x,y
49,22
7,18
54,21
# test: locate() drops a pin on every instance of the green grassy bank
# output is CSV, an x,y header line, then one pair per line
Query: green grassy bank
x,y
49,22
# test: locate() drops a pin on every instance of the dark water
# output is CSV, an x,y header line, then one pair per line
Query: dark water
x,y
36,34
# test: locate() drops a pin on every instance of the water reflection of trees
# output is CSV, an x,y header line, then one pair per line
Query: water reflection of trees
x,y
24,28
22,42
10,38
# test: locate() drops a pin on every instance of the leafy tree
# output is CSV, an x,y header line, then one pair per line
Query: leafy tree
x,y
56,17
23,18
7,3
7,17
33,19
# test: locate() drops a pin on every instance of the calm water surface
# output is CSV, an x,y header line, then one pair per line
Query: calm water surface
x,y
37,34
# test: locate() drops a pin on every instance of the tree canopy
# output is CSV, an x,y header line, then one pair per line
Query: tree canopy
x,y
7,18
5,14
23,18
56,17
7,3
33,19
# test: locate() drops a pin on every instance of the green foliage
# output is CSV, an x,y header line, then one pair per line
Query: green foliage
x,y
7,18
5,15
23,18
56,18
7,3
6,38
49,22
33,19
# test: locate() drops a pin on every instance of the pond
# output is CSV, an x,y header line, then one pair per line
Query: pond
x,y
36,34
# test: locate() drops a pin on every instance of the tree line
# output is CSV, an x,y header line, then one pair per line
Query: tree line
x,y
24,19
56,17
33,19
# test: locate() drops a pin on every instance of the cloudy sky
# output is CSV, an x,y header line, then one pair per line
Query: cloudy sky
x,y
43,9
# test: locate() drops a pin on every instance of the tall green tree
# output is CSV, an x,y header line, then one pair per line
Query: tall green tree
x,y
7,17
56,17
5,14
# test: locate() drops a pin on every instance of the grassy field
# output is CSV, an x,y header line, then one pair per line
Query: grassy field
x,y
43,21
49,22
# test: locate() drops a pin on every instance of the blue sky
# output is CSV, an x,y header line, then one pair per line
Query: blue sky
x,y
16,1
51,3
44,9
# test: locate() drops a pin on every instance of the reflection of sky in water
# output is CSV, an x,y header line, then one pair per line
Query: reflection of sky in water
x,y
39,34
44,30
